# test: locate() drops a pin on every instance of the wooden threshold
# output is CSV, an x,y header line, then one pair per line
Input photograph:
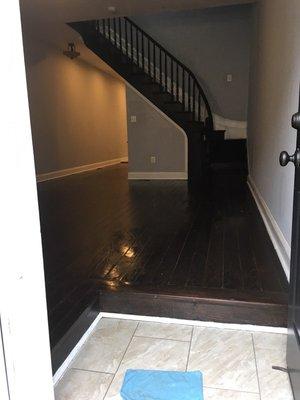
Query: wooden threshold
x,y
212,305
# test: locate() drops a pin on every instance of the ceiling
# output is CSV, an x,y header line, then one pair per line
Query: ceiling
x,y
75,10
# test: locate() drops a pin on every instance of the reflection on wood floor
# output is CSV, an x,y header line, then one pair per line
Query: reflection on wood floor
x,y
101,230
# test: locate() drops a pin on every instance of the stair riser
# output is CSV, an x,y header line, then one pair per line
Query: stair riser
x,y
174,107
199,309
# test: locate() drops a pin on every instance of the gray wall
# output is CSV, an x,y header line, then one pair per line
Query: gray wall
x,y
212,43
153,135
274,92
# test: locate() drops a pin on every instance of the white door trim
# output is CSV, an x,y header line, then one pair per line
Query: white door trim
x,y
4,392
22,289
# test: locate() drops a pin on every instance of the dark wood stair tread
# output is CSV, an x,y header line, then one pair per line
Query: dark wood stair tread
x,y
184,112
138,73
151,82
174,102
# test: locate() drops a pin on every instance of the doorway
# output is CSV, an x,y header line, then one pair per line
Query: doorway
x,y
252,149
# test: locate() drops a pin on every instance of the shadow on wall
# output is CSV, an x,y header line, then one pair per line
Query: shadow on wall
x,y
72,111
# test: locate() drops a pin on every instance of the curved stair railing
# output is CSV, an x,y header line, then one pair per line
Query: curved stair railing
x,y
151,58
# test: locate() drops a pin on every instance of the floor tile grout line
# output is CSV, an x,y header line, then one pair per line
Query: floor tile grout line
x,y
91,370
112,378
162,338
189,352
130,341
255,360
230,390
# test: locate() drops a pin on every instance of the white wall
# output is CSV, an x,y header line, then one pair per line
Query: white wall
x,y
212,43
274,93
154,134
78,113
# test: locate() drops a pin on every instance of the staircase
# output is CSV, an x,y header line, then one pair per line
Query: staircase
x,y
158,76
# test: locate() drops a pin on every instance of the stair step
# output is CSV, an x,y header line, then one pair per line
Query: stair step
x,y
142,78
229,151
217,305
185,115
219,131
184,112
216,135
138,73
173,105
152,82
164,95
141,74
174,102
194,125
162,92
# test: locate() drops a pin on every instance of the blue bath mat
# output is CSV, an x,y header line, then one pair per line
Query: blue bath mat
x,y
142,384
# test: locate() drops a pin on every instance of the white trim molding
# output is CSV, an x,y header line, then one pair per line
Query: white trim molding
x,y
62,369
157,175
283,249
192,322
77,170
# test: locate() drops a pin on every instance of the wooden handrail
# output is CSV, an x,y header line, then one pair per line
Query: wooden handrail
x,y
177,62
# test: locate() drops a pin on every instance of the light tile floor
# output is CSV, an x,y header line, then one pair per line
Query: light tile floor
x,y
236,364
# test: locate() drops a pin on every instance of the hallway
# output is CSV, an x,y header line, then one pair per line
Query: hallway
x,y
158,248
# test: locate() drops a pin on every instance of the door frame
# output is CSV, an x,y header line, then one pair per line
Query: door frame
x,y
293,346
4,390
23,311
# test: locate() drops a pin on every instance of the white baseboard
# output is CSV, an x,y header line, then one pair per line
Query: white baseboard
x,y
62,369
158,175
204,324
280,244
77,170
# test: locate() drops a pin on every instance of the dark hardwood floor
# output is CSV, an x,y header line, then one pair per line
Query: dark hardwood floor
x,y
161,248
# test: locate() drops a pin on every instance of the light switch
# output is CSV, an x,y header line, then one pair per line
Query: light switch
x,y
153,159
132,118
229,77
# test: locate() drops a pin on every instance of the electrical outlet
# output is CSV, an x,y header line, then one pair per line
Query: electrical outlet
x,y
132,118
229,77
153,159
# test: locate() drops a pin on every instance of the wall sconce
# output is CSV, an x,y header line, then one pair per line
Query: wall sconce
x,y
71,52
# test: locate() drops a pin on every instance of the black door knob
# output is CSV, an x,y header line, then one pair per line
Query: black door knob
x,y
296,121
285,158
